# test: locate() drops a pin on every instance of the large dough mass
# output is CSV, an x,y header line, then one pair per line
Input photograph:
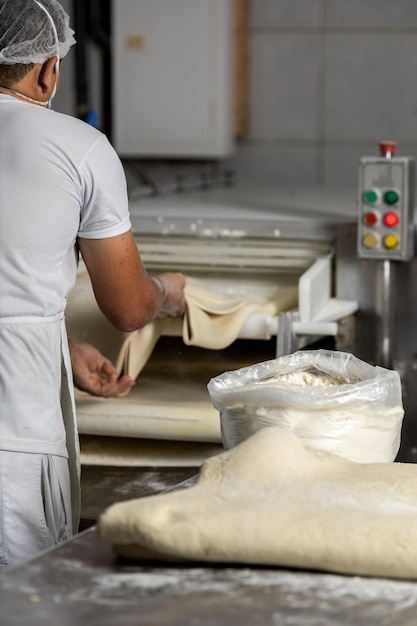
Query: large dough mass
x,y
273,501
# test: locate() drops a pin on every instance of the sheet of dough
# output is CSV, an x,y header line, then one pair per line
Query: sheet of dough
x,y
167,402
212,320
127,452
154,409
273,501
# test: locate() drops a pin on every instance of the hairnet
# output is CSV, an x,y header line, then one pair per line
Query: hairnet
x,y
27,34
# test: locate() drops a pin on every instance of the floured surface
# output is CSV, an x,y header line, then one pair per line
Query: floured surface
x,y
273,501
82,578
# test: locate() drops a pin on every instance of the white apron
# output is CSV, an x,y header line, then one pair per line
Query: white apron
x,y
37,407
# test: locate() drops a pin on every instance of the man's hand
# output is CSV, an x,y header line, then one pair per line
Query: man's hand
x,y
94,373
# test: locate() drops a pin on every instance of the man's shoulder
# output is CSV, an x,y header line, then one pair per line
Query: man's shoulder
x,y
75,125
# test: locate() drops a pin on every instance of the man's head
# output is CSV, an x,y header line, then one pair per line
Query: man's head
x,y
31,32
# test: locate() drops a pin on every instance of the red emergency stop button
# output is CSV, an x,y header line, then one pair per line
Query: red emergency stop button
x,y
391,219
370,218
387,148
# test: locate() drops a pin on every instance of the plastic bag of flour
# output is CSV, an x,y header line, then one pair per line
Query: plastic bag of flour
x,y
331,400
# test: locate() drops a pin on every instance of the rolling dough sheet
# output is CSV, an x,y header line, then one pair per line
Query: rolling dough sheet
x,y
212,320
129,452
170,399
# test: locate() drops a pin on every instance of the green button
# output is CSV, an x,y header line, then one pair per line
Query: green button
x,y
370,196
391,196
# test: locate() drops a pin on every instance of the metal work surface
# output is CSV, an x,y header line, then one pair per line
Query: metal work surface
x,y
82,583
246,211
385,320
242,228
102,486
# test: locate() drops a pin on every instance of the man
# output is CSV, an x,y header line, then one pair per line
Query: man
x,y
62,190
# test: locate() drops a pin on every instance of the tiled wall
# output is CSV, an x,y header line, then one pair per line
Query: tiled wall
x,y
328,80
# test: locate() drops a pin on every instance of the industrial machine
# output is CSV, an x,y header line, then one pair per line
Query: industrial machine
x,y
239,241
350,258
354,291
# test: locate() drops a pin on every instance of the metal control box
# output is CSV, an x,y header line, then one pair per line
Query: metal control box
x,y
386,208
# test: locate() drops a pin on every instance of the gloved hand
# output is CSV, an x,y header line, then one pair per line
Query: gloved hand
x,y
171,286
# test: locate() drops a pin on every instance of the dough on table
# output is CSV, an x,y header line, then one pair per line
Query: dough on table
x,y
273,501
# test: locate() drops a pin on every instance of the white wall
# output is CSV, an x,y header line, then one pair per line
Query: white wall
x,y
328,79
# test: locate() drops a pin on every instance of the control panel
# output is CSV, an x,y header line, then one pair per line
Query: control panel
x,y
386,205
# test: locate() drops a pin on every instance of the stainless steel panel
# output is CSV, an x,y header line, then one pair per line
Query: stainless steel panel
x,y
386,323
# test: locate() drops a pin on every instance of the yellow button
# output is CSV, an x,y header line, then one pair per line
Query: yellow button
x,y
391,241
369,241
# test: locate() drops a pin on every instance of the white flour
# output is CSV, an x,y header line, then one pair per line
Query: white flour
x,y
307,378
328,588
315,591
307,404
319,593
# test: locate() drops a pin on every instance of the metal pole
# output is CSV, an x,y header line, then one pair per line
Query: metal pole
x,y
384,308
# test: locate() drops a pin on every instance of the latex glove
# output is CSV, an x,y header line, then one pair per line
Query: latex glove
x,y
171,287
94,373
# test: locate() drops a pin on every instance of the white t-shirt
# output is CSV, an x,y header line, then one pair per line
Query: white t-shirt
x,y
59,178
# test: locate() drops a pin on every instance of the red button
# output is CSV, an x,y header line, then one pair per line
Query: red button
x,y
370,218
391,219
387,147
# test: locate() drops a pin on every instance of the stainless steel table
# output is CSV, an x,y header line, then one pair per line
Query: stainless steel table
x,y
102,486
81,582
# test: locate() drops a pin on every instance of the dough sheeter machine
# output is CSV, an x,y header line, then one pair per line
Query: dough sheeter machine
x,y
247,239
239,242
236,240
